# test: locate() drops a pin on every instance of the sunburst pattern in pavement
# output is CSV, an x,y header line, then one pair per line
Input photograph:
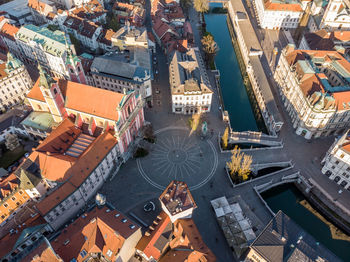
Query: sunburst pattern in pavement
x,y
176,155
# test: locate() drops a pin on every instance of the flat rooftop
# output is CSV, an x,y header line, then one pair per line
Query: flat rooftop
x,y
39,120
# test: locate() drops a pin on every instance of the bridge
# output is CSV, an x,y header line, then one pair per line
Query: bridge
x,y
257,138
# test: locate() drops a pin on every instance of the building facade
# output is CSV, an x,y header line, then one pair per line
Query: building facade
x,y
336,163
15,82
276,14
314,86
93,108
119,232
124,71
336,16
52,50
173,235
75,164
190,87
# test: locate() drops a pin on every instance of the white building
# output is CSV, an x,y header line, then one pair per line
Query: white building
x,y
14,82
128,36
177,201
336,163
314,86
277,14
190,87
337,15
52,50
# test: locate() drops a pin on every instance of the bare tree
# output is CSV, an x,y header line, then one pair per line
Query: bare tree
x,y
224,139
210,47
11,142
201,6
239,165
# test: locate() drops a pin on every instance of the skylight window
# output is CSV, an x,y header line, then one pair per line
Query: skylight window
x,y
83,253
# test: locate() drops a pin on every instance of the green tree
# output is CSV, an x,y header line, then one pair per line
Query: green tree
x,y
186,4
53,27
210,47
224,139
201,6
76,44
111,22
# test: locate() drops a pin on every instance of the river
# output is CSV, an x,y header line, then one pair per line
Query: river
x,y
237,103
287,199
234,93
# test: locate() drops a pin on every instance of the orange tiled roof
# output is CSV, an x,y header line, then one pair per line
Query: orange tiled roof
x,y
11,195
283,7
37,5
9,31
188,237
94,101
84,98
95,232
74,172
43,253
8,242
148,240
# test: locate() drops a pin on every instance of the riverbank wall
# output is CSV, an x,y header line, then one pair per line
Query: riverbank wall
x,y
312,195
251,52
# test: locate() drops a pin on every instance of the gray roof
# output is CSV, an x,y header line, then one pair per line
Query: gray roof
x,y
134,63
283,240
12,118
187,73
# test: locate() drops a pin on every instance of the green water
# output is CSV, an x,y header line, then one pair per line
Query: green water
x,y
236,100
242,117
287,198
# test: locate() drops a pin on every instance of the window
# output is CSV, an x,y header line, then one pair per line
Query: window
x,y
109,253
83,253
55,91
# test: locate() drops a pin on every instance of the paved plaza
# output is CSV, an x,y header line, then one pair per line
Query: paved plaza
x,y
179,155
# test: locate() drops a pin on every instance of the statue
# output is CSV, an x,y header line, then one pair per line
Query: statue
x,y
204,128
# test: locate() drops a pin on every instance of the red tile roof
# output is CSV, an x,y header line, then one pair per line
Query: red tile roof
x,y
43,253
283,7
147,242
177,197
8,242
75,170
84,98
9,31
97,231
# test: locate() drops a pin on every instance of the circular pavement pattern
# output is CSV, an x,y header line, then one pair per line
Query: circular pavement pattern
x,y
180,156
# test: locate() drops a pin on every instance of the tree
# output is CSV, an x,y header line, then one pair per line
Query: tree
x,y
76,43
224,139
244,171
185,4
201,6
239,165
53,27
111,22
194,122
148,133
210,47
11,142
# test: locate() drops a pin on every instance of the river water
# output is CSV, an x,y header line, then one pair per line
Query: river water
x,y
237,103
234,94
287,199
